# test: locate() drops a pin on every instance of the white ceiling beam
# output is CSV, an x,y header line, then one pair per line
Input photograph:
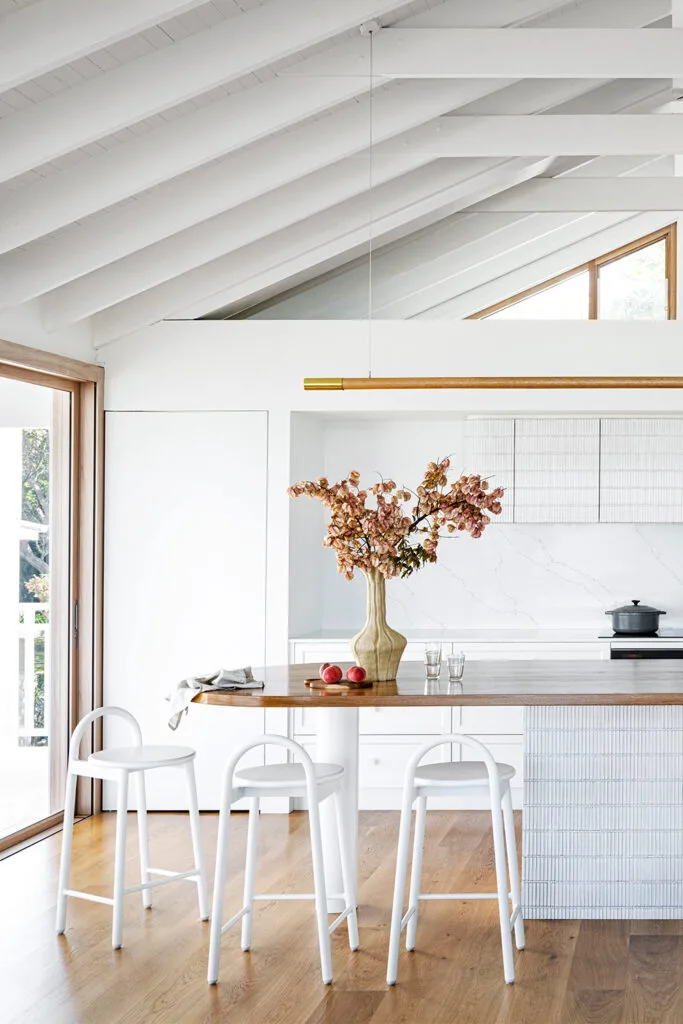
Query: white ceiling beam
x,y
562,134
174,149
224,184
341,228
46,35
192,198
235,229
177,147
592,195
524,53
197,64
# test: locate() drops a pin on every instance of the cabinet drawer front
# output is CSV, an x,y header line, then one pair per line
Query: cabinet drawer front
x,y
385,721
397,721
493,720
383,765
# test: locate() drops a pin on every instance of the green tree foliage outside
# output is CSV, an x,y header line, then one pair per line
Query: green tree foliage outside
x,y
35,554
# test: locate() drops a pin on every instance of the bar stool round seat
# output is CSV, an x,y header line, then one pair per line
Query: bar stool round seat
x,y
142,758
284,776
461,773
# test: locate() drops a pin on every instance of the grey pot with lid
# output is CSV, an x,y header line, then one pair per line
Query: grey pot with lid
x,y
635,619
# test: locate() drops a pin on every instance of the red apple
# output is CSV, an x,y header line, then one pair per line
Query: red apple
x,y
325,664
356,674
332,674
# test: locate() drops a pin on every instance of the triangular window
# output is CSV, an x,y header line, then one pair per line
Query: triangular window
x,y
635,282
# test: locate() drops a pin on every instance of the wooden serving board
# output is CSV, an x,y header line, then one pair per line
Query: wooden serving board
x,y
343,684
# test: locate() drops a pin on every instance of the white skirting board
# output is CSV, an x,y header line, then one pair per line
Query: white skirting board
x,y
603,812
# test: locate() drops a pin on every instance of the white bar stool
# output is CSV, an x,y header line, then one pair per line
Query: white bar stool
x,y
484,778
316,782
116,765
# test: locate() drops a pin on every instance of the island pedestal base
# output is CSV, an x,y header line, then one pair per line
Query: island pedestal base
x,y
603,812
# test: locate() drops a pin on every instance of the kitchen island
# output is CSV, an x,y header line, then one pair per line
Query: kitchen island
x,y
603,789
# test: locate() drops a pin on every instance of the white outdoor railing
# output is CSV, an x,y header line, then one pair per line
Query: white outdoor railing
x,y
29,633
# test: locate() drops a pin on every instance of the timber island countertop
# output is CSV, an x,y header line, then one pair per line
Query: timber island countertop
x,y
484,683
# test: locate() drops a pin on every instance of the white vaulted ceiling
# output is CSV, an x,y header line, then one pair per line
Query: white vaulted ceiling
x,y
179,158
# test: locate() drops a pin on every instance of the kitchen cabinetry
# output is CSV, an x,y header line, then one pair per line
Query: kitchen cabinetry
x,y
388,736
641,476
582,469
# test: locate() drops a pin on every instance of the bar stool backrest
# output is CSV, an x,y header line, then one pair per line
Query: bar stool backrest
x,y
85,723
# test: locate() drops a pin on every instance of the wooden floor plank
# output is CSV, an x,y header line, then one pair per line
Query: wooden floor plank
x,y
570,973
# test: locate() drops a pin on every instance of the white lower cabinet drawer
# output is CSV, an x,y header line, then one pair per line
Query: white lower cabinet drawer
x,y
492,719
385,721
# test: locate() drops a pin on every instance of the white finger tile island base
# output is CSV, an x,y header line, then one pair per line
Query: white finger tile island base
x,y
603,812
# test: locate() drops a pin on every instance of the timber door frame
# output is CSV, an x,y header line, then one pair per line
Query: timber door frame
x,y
85,382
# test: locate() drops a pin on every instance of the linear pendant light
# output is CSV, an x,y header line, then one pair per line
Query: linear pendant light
x,y
484,383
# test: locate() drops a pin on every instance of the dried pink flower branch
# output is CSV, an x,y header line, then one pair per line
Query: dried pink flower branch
x,y
378,537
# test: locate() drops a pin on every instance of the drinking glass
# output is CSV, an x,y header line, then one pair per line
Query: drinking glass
x,y
433,660
456,666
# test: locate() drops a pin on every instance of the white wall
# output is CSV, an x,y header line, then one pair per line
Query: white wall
x,y
185,570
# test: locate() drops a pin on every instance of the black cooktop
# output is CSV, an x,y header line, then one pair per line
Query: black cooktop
x,y
661,634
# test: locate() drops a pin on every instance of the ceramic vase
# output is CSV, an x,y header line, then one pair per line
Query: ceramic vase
x,y
378,648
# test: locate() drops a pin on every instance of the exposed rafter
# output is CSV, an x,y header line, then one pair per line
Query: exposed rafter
x,y
46,35
341,228
165,153
250,172
588,195
233,230
565,134
527,53
229,201
167,77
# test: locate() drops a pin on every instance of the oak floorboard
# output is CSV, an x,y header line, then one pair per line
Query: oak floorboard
x,y
591,972
654,986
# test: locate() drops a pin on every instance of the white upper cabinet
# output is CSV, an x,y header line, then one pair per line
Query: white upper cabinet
x,y
557,464
490,451
582,469
641,472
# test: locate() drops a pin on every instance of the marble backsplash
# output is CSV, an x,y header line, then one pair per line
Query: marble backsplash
x,y
526,577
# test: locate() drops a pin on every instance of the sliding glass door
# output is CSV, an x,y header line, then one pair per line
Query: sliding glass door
x,y
37,557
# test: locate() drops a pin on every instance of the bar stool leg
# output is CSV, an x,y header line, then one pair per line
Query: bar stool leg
x,y
502,885
320,894
513,866
143,838
399,886
218,889
67,838
197,842
347,873
416,871
120,859
250,872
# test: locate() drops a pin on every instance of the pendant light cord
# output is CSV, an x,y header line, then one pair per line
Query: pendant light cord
x,y
369,29
371,211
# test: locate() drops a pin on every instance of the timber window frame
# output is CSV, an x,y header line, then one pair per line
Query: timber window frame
x,y
592,267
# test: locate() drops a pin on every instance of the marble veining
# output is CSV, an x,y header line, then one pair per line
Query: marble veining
x,y
526,576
